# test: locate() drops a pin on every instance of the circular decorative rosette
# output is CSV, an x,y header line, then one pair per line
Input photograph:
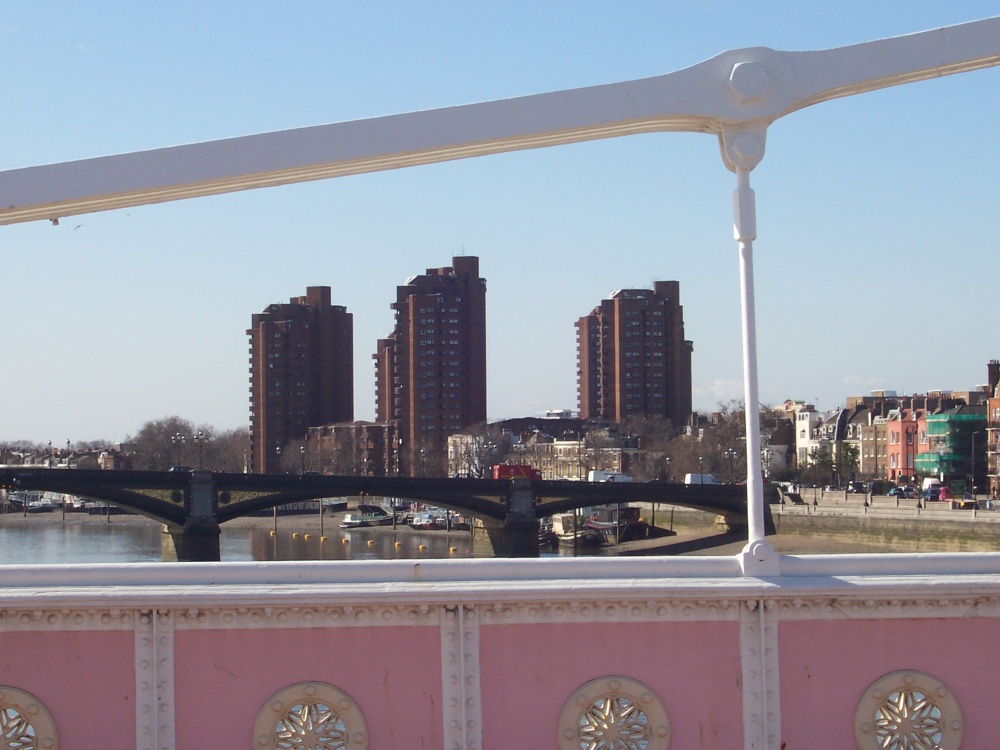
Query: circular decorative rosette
x,y
25,724
614,713
908,710
310,716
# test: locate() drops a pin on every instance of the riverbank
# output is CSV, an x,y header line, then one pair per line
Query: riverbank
x,y
836,526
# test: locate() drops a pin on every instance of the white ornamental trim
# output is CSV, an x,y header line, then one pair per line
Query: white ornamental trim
x,y
759,662
908,709
881,608
462,697
278,617
62,619
154,681
817,606
590,611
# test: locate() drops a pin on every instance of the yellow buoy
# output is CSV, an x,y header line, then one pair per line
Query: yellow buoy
x,y
306,536
345,540
453,550
371,542
322,538
399,544
422,547
272,533
295,535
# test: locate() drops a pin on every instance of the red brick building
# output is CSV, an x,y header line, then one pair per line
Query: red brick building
x,y
301,372
632,358
431,370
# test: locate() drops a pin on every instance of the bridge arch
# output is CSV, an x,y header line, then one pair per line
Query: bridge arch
x,y
160,496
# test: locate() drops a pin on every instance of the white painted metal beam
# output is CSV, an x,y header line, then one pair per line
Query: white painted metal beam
x,y
737,91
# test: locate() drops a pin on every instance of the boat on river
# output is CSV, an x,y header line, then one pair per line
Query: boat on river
x,y
367,515
546,536
616,523
429,520
570,530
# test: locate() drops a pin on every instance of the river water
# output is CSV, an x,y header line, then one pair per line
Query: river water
x,y
53,542
49,540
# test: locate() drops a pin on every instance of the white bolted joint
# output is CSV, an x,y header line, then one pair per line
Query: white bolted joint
x,y
749,81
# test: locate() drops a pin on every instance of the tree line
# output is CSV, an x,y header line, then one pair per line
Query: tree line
x,y
661,449
157,446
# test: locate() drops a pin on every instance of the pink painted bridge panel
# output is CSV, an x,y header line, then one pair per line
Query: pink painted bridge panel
x,y
826,666
223,677
530,671
86,680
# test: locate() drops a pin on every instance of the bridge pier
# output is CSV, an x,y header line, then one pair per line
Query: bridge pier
x,y
517,534
738,523
197,541
515,537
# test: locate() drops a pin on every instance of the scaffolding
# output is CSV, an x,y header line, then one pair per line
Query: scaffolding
x,y
956,445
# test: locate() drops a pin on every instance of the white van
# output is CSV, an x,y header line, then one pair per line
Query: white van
x,y
699,479
607,476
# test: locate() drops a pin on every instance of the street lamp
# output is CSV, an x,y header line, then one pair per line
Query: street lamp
x,y
701,474
277,452
178,440
731,455
199,439
302,457
666,467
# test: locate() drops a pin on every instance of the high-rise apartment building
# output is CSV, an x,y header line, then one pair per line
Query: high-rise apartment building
x,y
632,358
301,372
431,370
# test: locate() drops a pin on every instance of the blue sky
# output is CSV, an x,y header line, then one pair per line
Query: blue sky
x,y
875,258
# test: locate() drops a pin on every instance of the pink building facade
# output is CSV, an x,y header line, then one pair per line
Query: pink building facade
x,y
681,653
903,431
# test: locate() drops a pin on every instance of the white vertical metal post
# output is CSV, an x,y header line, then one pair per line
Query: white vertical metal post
x,y
745,232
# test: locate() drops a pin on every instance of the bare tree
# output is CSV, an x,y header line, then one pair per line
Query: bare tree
x,y
228,450
598,451
654,435
291,459
152,449
162,443
483,447
345,459
424,459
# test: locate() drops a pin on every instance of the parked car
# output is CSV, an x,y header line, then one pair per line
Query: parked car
x,y
857,488
906,492
939,492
